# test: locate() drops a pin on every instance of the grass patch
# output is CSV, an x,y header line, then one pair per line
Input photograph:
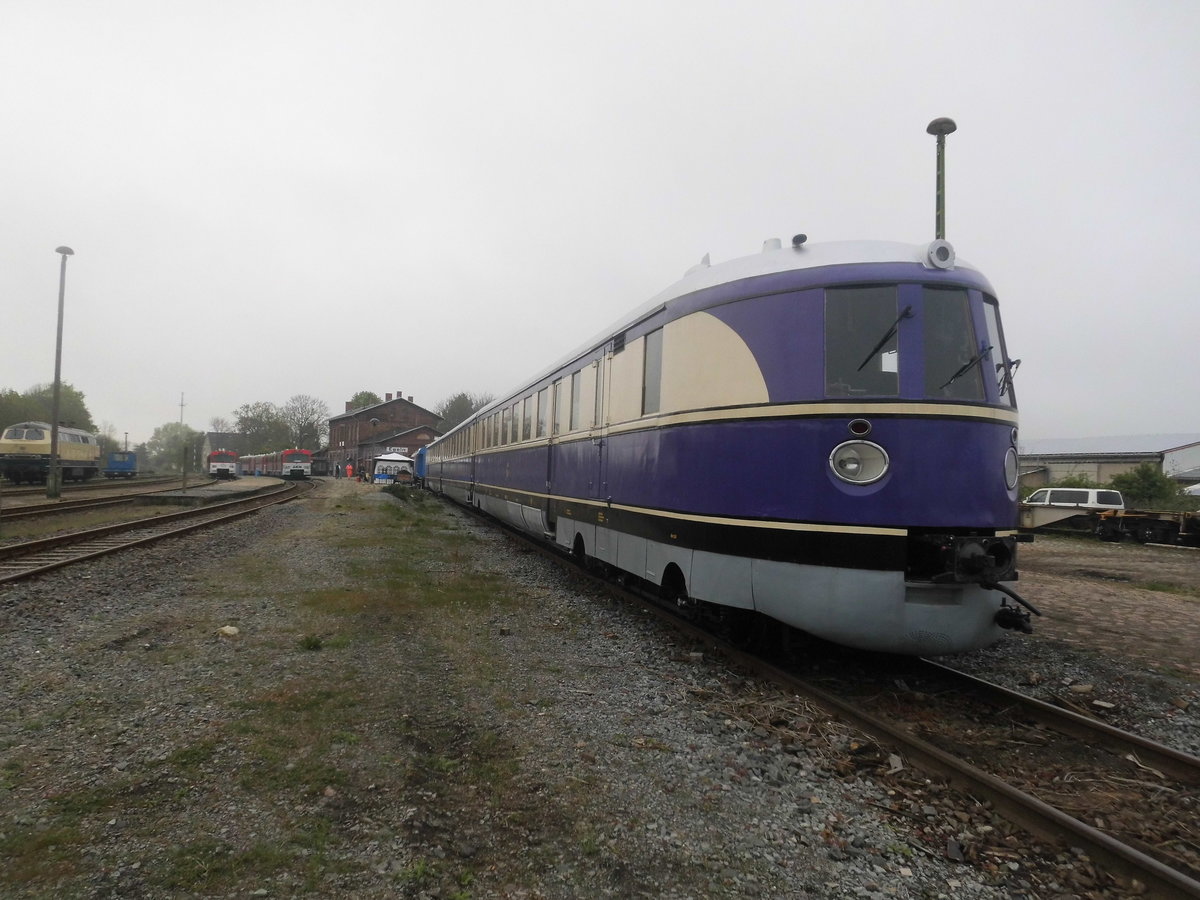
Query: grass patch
x,y
208,865
309,761
31,855
1168,588
312,642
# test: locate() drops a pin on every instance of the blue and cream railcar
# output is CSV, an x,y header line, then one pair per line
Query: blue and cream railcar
x,y
25,453
823,433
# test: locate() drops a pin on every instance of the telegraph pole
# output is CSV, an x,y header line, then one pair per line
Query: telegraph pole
x,y
54,471
183,439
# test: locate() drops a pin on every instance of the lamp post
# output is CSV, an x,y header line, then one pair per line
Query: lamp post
x,y
54,473
941,127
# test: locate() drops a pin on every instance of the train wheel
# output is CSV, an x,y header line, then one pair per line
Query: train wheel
x,y
579,552
674,591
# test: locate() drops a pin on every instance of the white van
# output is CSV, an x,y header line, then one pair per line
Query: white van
x,y
1082,498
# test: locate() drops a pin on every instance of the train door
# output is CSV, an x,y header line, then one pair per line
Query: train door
x,y
472,439
606,548
598,483
554,428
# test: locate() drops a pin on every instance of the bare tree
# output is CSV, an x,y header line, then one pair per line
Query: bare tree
x,y
307,419
220,425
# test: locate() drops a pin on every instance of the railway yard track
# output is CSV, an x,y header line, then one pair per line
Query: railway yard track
x,y
8,489
129,495
847,775
1130,804
26,559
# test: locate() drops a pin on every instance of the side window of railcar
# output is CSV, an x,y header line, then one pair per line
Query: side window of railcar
x,y
954,359
560,408
527,418
652,373
862,327
543,411
576,394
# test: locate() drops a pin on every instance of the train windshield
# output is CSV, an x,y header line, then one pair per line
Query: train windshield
x,y
24,434
954,360
862,329
885,340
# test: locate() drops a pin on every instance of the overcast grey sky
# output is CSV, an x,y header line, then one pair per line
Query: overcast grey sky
x,y
278,198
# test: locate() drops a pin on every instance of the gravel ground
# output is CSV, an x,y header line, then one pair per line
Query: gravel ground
x,y
469,722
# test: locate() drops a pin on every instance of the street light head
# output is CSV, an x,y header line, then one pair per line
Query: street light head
x,y
65,251
941,126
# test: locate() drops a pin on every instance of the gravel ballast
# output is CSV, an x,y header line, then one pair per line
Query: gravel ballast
x,y
356,695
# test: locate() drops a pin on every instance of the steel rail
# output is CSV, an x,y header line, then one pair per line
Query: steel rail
x,y
64,506
63,550
12,490
1036,816
1167,760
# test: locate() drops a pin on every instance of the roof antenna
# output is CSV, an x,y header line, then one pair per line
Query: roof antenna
x,y
941,127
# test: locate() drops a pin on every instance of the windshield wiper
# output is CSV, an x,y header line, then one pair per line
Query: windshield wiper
x,y
1009,370
891,333
966,367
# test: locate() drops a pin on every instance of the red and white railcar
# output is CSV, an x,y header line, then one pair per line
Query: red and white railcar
x,y
223,464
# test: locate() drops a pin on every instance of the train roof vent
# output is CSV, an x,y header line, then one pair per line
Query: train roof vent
x,y
703,264
771,244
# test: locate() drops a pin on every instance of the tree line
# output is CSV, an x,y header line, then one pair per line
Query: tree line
x,y
303,421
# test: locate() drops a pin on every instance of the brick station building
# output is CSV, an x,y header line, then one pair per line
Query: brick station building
x,y
397,425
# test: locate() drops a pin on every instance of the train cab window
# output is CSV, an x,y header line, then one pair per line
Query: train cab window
x,y
954,360
652,373
1002,366
862,335
543,411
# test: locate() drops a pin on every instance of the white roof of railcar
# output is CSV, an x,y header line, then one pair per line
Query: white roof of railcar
x,y
774,258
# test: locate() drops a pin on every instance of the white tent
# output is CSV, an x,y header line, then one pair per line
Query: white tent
x,y
392,465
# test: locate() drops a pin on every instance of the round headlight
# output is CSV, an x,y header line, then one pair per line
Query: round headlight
x,y
1010,468
859,462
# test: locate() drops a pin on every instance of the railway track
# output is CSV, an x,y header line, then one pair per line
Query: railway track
x,y
1129,802
8,489
1158,783
24,560
54,507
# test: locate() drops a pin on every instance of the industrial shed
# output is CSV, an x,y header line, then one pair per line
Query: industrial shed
x,y
1099,459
